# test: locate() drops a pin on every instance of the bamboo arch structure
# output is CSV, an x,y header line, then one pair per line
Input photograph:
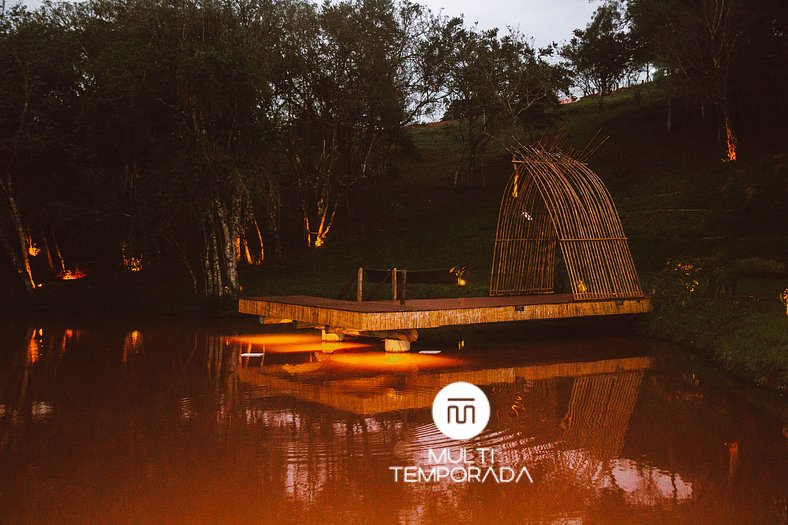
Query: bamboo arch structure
x,y
555,201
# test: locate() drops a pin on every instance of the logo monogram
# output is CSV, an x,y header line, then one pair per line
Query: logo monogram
x,y
461,410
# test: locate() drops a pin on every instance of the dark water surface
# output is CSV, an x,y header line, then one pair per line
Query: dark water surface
x,y
166,422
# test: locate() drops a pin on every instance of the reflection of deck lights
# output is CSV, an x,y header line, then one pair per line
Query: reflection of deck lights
x,y
392,361
293,344
275,339
252,354
316,347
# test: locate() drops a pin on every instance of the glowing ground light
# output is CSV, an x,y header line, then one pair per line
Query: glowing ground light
x,y
71,275
731,151
459,271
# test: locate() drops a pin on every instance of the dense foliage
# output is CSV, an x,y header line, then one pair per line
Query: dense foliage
x,y
728,56
199,135
209,133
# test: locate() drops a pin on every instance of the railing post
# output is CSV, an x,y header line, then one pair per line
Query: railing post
x,y
360,291
404,282
394,284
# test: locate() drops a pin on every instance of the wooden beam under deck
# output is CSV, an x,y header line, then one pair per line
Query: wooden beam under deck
x,y
433,313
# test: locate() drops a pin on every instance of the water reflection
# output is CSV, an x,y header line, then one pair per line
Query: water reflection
x,y
163,423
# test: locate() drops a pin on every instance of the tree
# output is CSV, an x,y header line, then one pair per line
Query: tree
x,y
178,102
493,82
38,89
698,44
354,79
600,55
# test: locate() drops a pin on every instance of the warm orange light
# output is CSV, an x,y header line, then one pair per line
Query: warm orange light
x,y
293,344
70,275
33,250
132,344
459,271
32,350
136,338
275,339
389,361
132,263
731,141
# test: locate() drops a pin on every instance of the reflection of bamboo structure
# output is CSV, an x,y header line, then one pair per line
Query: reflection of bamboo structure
x,y
365,395
599,411
553,200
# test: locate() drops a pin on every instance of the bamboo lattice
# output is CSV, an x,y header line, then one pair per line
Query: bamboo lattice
x,y
553,200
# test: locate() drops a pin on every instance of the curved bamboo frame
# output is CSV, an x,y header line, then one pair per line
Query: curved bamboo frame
x,y
552,199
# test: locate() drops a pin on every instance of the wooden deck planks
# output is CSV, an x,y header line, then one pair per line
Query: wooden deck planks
x,y
433,313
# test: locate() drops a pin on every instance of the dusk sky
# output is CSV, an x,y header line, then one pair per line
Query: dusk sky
x,y
544,20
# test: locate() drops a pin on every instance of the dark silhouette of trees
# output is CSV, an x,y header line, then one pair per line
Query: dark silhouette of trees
x,y
722,53
602,54
154,132
492,82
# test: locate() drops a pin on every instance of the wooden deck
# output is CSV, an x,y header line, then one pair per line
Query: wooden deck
x,y
387,315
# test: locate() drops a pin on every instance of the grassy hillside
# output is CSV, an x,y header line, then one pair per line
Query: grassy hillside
x,y
678,202
675,197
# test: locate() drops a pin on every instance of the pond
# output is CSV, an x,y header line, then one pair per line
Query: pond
x,y
189,421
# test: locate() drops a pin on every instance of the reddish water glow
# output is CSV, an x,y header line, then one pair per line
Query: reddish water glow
x,y
113,422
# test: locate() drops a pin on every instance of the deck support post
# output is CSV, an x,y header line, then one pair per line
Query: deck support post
x,y
396,345
331,337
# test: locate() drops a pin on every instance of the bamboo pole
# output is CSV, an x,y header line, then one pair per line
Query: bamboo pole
x,y
360,281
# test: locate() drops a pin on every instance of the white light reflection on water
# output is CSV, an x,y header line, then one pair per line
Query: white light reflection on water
x,y
647,485
41,411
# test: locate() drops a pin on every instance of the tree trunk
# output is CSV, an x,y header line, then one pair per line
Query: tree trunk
x,y
730,136
273,205
19,256
227,224
15,262
259,260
